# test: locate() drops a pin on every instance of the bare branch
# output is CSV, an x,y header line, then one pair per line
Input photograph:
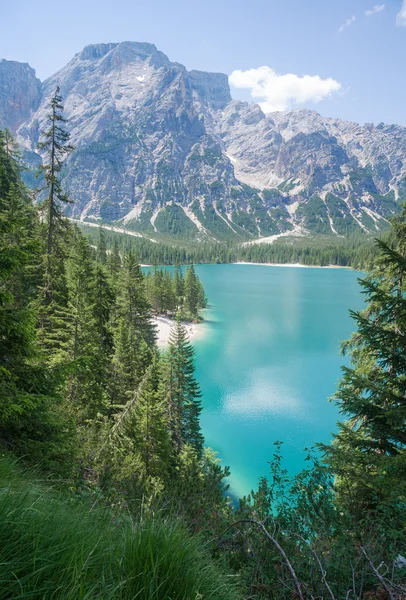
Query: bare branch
x,y
322,570
378,575
278,547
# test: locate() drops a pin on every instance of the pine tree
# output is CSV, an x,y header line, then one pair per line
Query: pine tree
x,y
132,303
183,393
10,147
369,451
81,287
201,296
114,262
191,293
56,147
88,342
52,302
103,308
146,430
179,285
134,332
102,247
170,301
29,420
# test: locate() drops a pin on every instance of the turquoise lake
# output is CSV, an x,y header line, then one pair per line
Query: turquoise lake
x,y
269,360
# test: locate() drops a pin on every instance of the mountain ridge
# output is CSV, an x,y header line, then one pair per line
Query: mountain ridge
x,y
167,152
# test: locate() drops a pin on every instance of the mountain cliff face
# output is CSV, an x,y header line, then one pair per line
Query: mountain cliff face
x,y
20,93
162,150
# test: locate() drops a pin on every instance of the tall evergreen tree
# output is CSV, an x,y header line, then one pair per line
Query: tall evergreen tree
x,y
89,343
369,450
146,430
160,291
183,393
134,332
10,147
133,306
102,247
52,302
179,284
103,308
28,401
191,293
56,148
114,262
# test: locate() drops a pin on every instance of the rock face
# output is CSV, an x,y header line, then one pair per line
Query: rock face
x,y
163,150
20,93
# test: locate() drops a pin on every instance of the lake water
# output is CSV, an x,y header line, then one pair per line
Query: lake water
x,y
270,360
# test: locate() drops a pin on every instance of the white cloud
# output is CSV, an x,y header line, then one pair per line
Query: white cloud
x,y
278,92
401,18
375,10
347,23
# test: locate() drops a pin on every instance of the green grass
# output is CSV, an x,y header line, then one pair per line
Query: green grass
x,y
52,547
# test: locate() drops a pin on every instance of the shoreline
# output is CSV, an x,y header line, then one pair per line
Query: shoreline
x,y
164,325
292,265
258,264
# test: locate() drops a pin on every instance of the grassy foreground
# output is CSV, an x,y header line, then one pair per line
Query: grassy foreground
x,y
52,546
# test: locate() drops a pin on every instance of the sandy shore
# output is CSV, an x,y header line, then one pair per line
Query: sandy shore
x,y
296,265
164,326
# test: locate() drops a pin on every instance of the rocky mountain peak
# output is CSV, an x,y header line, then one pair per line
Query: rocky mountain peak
x,y
115,56
211,87
20,93
163,150
95,51
298,121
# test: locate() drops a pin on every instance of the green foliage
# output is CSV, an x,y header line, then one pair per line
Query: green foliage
x,y
29,414
134,332
172,221
343,222
182,392
52,546
102,248
246,221
356,251
161,292
194,298
89,341
315,215
142,444
56,147
216,221
369,450
291,539
169,293
52,301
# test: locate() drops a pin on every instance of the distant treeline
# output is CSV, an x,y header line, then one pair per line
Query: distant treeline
x,y
356,252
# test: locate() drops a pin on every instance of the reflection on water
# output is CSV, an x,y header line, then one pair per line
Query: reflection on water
x,y
270,360
264,396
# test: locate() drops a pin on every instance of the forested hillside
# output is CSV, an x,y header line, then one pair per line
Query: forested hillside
x,y
358,252
107,489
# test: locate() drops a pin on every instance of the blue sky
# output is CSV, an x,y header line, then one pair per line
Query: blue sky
x,y
356,61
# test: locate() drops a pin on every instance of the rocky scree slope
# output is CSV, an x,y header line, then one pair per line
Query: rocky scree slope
x,y
167,152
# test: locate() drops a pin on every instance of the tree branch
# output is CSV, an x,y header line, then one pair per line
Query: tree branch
x,y
378,575
277,546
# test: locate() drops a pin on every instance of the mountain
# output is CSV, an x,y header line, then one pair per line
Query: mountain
x,y
20,93
167,152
